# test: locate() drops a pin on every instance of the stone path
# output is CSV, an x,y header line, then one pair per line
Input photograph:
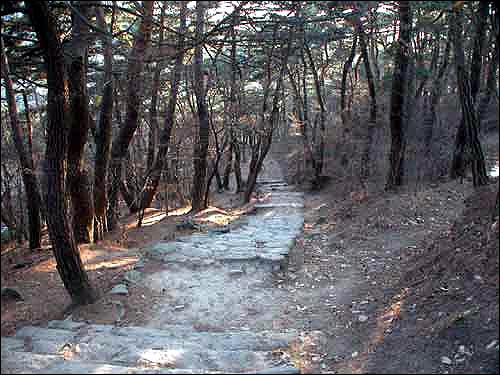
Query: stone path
x,y
221,312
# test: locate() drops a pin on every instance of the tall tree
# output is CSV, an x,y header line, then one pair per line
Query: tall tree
x,y
472,152
25,156
155,88
79,185
200,90
103,131
460,157
320,146
398,95
69,263
372,122
135,85
345,72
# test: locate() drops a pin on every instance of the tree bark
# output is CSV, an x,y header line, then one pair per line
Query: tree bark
x,y
472,152
79,185
200,88
235,94
459,163
69,263
345,71
436,93
104,133
491,79
25,157
119,148
398,96
29,127
372,122
320,147
155,88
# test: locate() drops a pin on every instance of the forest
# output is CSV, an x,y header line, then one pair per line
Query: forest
x,y
326,171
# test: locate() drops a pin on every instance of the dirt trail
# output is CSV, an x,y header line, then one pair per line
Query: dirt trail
x,y
216,306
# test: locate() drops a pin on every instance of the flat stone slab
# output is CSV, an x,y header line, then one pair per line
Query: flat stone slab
x,y
29,363
12,344
120,289
45,341
278,204
132,276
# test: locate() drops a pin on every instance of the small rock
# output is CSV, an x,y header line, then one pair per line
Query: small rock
x,y
446,361
322,220
11,294
140,264
236,273
354,355
491,344
132,276
186,224
362,318
220,230
119,289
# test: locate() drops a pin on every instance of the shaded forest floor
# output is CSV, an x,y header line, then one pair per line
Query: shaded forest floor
x,y
398,283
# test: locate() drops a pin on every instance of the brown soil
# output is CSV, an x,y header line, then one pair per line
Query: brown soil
x,y
395,282
34,274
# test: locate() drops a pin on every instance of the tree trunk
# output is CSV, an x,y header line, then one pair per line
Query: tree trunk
x,y
237,166
235,108
472,152
200,88
491,80
152,181
78,181
459,163
29,127
372,122
119,149
345,71
69,263
320,148
398,96
104,133
229,166
436,93
25,157
155,88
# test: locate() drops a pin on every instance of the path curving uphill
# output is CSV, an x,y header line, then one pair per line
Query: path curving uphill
x,y
221,312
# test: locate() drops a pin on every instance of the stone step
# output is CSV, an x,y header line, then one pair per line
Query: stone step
x,y
12,344
283,193
271,182
237,351
170,335
30,363
227,340
278,204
